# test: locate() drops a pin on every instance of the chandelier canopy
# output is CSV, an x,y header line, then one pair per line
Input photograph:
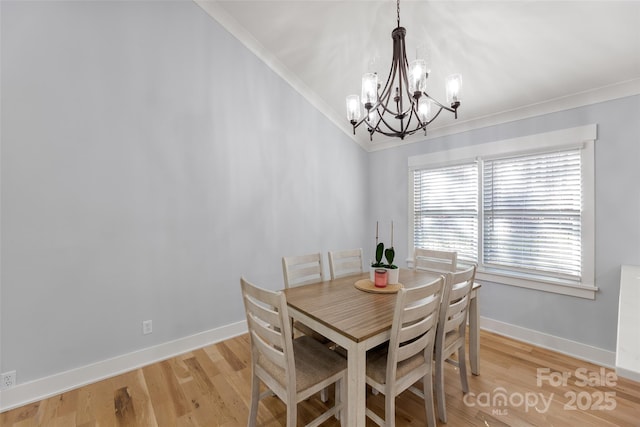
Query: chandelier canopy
x,y
403,107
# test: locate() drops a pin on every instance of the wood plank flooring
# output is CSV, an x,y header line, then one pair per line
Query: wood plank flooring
x,y
519,385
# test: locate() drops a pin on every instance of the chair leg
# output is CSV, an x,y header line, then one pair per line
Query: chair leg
x,y
427,383
442,412
462,365
389,409
292,413
255,399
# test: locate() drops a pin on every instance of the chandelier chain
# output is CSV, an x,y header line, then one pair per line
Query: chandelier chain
x,y
398,10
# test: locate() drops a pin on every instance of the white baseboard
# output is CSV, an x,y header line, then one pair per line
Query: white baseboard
x,y
43,388
575,349
630,375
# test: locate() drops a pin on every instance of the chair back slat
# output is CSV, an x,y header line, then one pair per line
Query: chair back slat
x,y
416,312
413,348
345,263
267,334
425,330
268,324
457,308
414,324
455,320
262,312
302,270
461,288
265,349
417,326
455,300
435,260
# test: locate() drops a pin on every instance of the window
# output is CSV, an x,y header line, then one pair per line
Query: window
x,y
446,209
521,209
532,207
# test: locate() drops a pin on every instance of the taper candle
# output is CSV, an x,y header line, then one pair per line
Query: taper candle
x,y
391,233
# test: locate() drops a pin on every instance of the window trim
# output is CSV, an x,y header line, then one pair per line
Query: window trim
x,y
583,137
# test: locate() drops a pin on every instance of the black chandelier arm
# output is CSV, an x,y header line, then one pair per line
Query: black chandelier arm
x,y
394,112
392,131
452,109
437,114
385,98
391,128
403,81
389,84
356,124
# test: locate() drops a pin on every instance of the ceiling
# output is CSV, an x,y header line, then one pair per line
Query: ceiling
x,y
517,58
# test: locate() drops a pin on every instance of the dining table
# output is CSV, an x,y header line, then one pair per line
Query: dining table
x,y
358,320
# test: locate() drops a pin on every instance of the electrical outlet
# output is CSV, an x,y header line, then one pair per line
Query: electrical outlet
x,y
8,380
147,327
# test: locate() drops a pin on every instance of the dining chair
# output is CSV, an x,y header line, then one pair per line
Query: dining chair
x,y
451,332
293,369
345,263
409,356
302,270
435,260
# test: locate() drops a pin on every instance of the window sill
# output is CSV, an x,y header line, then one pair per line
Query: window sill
x,y
540,284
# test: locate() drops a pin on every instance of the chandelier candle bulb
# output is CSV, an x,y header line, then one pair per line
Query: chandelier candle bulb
x,y
424,109
353,108
454,85
369,89
417,77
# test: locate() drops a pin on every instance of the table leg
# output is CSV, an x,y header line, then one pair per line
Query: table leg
x,y
474,333
356,385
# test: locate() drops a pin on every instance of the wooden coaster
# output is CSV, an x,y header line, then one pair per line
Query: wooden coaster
x,y
368,286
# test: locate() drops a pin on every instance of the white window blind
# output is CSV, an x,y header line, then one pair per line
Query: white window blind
x,y
446,210
532,214
533,197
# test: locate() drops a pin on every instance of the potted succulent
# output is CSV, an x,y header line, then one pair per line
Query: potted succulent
x,y
393,272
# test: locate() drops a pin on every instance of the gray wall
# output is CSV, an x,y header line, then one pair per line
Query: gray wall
x,y
617,218
149,160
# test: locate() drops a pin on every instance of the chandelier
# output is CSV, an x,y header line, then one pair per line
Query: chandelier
x,y
403,107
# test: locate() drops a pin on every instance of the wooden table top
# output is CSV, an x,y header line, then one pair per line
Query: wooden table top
x,y
339,305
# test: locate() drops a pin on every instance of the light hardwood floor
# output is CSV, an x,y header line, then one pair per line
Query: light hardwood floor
x,y
211,387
